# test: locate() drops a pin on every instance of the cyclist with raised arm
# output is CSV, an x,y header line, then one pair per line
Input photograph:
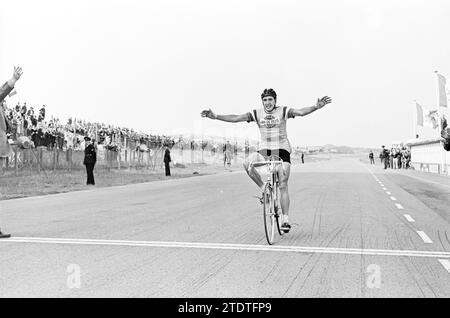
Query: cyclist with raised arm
x,y
271,121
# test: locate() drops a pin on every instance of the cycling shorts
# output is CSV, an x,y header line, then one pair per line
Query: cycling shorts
x,y
282,153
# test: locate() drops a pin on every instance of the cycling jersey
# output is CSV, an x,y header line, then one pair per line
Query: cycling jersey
x,y
272,127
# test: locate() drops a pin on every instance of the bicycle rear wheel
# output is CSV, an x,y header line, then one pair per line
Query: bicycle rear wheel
x,y
268,214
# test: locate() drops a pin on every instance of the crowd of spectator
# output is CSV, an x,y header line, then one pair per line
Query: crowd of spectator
x,y
50,132
396,158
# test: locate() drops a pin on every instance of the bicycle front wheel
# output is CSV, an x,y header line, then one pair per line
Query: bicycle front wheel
x,y
269,215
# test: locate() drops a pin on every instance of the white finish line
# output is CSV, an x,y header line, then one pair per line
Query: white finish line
x,y
224,246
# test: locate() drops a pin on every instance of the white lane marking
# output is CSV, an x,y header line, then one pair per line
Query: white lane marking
x,y
446,264
424,237
224,246
399,206
409,218
393,199
384,188
388,193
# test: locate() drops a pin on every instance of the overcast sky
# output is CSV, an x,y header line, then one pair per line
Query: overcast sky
x,y
154,65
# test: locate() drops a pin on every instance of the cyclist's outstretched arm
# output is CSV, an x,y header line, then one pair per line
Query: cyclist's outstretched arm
x,y
228,118
308,110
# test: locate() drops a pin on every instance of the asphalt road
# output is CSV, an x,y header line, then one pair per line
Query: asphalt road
x,y
358,231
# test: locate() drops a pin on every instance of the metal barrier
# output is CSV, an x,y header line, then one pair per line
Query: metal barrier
x,y
432,167
41,159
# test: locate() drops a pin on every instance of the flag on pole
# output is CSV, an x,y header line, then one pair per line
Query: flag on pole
x,y
426,117
442,91
419,111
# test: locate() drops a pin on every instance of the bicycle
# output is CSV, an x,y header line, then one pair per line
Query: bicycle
x,y
270,199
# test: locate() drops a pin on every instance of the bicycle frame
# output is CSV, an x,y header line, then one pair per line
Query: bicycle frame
x,y
273,214
271,167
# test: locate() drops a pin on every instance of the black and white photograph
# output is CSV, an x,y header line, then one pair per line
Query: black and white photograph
x,y
225,154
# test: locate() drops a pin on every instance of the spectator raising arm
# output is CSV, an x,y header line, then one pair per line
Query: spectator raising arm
x,y
9,85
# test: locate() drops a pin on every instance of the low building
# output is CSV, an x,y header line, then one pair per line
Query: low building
x,y
429,155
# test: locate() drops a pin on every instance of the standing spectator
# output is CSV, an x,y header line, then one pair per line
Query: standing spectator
x,y
394,158
228,149
167,160
4,145
4,124
224,150
391,159
90,158
403,155
399,158
303,157
407,159
372,160
385,156
381,157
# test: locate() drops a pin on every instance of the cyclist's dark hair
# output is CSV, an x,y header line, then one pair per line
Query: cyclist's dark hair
x,y
269,92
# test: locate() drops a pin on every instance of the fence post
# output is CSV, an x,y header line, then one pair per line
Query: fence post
x,y
108,159
30,159
38,157
128,158
15,161
42,157
57,156
54,158
120,155
70,158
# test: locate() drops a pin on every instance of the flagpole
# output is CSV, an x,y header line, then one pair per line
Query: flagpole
x,y
438,102
415,128
444,168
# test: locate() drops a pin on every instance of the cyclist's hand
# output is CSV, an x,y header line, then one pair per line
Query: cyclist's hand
x,y
323,101
17,72
209,113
